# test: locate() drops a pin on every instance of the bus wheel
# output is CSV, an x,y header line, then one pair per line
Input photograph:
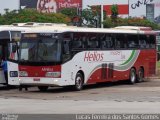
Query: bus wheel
x,y
79,81
43,88
140,75
132,76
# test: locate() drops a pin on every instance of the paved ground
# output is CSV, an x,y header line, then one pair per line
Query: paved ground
x,y
118,97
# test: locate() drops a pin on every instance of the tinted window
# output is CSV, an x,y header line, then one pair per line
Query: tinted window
x,y
4,35
152,41
133,41
78,41
92,41
66,43
106,41
147,41
67,38
121,41
143,43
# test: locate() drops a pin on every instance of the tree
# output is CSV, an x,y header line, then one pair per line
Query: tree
x,y
114,12
32,15
91,16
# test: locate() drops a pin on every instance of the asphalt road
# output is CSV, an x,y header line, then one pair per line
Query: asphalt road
x,y
119,97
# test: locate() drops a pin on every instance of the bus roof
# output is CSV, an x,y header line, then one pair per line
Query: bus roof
x,y
61,29
26,26
12,28
135,28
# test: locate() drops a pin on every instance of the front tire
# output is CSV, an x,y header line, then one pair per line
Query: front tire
x,y
43,88
132,76
79,81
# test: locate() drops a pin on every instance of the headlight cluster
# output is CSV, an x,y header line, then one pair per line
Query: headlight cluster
x,y
53,74
23,74
13,74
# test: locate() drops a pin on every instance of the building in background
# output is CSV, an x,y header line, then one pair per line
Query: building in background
x,y
149,9
122,5
145,8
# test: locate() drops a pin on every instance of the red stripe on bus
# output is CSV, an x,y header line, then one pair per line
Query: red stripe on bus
x,y
39,71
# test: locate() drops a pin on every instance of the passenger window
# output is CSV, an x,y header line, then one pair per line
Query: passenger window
x,y
78,41
66,43
152,41
121,41
92,42
133,41
143,41
106,41
66,47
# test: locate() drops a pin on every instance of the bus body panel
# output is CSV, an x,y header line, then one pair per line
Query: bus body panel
x,y
97,66
95,69
13,69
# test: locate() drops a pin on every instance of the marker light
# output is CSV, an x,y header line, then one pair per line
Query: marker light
x,y
23,74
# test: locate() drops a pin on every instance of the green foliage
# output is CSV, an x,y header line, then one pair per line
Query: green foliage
x,y
130,22
114,12
91,16
31,15
87,17
70,12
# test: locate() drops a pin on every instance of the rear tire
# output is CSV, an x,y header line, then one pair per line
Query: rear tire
x,y
132,76
140,75
43,88
79,81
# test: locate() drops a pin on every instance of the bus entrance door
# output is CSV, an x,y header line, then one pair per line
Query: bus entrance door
x,y
12,64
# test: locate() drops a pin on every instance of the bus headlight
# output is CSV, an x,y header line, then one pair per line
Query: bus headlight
x,y
53,74
13,74
23,74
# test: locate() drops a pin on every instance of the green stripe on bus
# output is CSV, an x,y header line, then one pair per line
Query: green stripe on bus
x,y
129,59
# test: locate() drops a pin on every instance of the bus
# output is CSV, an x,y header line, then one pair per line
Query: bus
x,y
74,56
9,38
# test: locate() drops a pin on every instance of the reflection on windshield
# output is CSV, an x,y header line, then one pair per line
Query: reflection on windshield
x,y
47,49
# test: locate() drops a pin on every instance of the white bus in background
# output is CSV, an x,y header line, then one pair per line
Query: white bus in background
x,y
9,37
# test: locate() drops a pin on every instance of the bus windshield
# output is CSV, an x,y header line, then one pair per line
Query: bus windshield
x,y
40,49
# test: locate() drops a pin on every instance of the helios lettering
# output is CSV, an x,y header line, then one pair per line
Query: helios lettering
x,y
93,56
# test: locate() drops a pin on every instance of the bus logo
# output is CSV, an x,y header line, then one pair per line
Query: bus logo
x,y
47,69
93,56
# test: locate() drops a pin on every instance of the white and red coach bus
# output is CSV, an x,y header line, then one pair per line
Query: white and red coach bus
x,y
65,56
